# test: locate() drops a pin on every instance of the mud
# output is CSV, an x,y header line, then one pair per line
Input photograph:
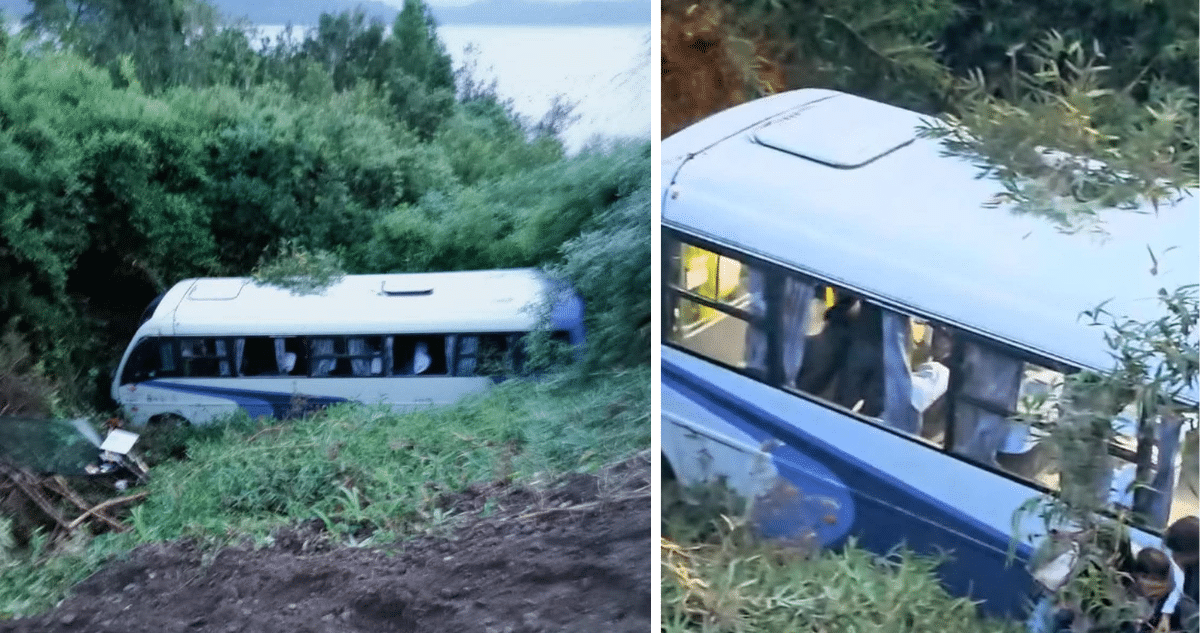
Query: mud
x,y
574,557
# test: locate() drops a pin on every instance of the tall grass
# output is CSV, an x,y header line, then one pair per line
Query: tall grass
x,y
717,577
369,475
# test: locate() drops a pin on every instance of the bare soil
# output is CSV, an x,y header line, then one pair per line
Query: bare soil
x,y
574,557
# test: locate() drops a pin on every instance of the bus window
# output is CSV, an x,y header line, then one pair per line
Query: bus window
x,y
492,355
716,305
151,358
423,355
1000,401
1184,501
324,357
291,355
358,356
366,355
258,357
488,355
206,357
851,352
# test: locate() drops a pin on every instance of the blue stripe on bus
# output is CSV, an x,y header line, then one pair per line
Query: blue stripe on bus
x,y
256,403
889,512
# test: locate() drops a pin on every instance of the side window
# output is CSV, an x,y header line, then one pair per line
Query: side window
x,y
360,356
932,350
151,358
207,357
1184,501
847,350
842,355
423,355
998,397
716,305
1169,462
487,355
273,356
258,357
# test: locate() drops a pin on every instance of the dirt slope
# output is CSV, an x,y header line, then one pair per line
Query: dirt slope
x,y
575,558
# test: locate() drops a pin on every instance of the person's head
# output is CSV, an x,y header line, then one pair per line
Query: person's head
x,y
941,345
1183,539
1152,572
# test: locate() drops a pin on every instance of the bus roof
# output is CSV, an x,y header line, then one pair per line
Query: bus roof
x,y
900,220
444,302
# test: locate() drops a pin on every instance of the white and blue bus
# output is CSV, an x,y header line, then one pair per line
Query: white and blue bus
x,y
208,347
850,328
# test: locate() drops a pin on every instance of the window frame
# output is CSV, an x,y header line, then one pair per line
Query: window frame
x,y
344,341
672,293
774,272
513,353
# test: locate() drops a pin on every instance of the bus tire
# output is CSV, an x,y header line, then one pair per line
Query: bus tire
x,y
168,421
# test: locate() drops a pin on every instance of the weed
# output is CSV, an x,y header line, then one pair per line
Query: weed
x,y
369,476
718,577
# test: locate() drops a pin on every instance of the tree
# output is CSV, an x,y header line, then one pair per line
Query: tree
x,y
153,34
417,49
1077,108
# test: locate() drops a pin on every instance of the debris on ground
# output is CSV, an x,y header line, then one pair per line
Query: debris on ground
x,y
59,504
573,556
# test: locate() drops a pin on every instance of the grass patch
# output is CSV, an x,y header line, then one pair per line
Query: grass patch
x,y
717,577
368,474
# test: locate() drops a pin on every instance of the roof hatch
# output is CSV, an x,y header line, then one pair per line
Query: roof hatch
x,y
402,287
216,289
843,131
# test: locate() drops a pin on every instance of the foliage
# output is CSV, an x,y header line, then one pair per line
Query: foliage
x,y
149,37
122,179
1094,101
719,54
1155,363
607,265
586,218
1078,109
1145,43
296,269
718,577
368,474
1065,145
24,389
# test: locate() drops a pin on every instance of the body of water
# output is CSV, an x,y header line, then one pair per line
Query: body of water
x,y
605,71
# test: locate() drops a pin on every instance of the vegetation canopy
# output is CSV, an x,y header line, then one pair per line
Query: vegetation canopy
x,y
148,142
1077,109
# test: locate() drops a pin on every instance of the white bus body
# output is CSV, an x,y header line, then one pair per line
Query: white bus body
x,y
210,346
814,246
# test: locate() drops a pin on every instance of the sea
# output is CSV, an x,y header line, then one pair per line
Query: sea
x,y
604,71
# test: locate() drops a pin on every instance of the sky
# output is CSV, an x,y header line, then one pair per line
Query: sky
x,y
458,3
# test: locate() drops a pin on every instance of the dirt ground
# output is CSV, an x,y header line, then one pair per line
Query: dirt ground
x,y
575,557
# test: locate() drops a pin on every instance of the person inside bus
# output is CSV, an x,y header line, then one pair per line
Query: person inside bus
x,y
860,385
1153,587
421,358
825,350
1182,541
843,362
931,377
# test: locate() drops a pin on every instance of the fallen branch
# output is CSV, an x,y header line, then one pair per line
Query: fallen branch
x,y
107,504
19,478
587,506
59,485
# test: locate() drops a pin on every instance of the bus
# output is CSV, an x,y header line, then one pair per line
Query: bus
x,y
851,327
209,347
